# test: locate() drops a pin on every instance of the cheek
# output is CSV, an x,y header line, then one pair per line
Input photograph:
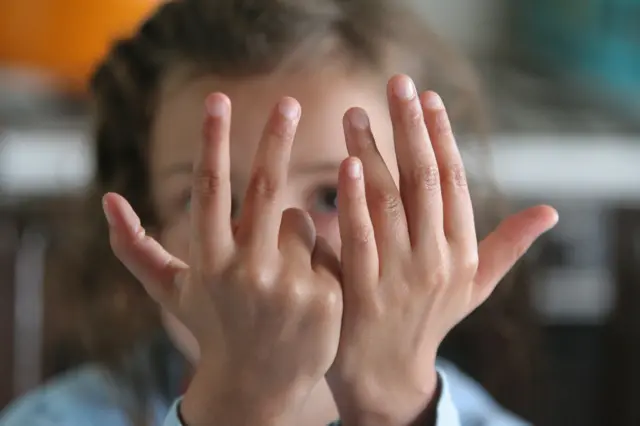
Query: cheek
x,y
327,227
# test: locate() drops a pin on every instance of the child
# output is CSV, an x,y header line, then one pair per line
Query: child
x,y
279,330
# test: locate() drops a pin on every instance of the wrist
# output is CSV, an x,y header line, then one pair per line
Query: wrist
x,y
390,406
213,398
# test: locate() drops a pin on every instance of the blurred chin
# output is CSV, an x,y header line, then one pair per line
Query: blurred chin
x,y
181,337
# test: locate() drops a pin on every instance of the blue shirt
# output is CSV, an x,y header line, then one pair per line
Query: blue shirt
x,y
89,396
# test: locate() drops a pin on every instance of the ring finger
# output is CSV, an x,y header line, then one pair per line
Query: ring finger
x,y
459,226
383,198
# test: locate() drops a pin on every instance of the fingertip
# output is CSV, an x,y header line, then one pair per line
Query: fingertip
x,y
119,212
346,122
350,185
352,203
402,87
431,100
552,212
551,215
545,214
281,126
108,198
217,105
289,108
352,168
357,131
108,208
357,118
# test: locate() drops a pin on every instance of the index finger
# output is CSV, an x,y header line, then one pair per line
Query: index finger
x,y
212,236
417,164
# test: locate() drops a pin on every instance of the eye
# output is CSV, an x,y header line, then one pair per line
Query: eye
x,y
324,200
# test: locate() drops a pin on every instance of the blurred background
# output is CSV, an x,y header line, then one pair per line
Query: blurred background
x,y
562,79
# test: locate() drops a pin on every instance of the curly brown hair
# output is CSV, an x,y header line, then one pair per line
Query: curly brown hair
x,y
246,38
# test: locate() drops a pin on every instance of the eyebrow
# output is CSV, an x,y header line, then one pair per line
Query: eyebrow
x,y
310,168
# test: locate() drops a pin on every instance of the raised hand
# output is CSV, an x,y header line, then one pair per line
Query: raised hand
x,y
412,266
262,299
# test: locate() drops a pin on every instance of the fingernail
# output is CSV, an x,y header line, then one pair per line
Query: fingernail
x,y
358,119
433,101
107,214
217,105
404,88
289,108
354,169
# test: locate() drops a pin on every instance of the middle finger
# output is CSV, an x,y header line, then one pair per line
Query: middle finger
x,y
417,164
263,206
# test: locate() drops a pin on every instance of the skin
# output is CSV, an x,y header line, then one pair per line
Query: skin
x,y
365,330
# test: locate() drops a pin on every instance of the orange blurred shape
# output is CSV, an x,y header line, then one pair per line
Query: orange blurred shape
x,y
65,38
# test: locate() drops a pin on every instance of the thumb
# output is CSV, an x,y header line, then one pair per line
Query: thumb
x,y
501,249
144,257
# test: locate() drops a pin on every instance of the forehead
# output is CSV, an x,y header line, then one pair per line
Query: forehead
x,y
324,96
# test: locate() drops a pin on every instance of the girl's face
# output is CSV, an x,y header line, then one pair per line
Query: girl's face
x,y
318,150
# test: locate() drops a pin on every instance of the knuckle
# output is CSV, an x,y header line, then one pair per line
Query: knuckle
x,y
470,263
389,203
260,278
327,304
291,292
455,175
289,295
333,299
207,183
362,234
438,277
263,184
254,278
426,177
